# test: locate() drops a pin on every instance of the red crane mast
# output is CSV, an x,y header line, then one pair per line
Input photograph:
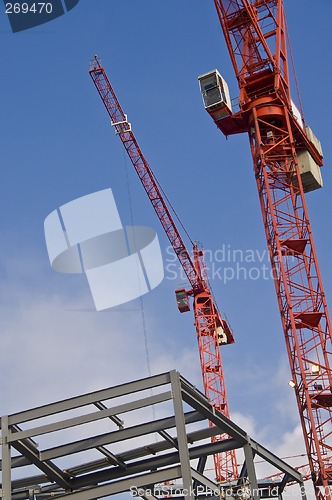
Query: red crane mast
x,y
287,158
212,330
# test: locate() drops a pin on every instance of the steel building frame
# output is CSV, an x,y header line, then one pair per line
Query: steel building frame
x,y
137,469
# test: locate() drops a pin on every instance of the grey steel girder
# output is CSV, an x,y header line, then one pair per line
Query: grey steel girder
x,y
122,464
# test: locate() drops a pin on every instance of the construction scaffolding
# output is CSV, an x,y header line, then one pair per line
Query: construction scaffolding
x,y
172,451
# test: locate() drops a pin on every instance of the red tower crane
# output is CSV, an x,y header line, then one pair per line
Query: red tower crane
x,y
212,330
287,158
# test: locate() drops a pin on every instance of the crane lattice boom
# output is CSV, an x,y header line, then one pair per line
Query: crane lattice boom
x,y
212,330
286,156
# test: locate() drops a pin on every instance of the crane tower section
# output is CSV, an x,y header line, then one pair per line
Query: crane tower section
x,y
287,158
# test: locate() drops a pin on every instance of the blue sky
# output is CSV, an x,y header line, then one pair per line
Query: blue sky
x,y
57,145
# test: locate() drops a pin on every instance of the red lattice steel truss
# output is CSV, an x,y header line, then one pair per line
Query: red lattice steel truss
x,y
208,320
255,34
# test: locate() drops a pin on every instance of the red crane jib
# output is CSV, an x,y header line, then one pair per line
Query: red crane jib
x,y
212,330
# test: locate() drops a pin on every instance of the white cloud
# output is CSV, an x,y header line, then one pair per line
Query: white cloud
x,y
54,345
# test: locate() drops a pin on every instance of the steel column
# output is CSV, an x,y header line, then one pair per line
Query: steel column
x,y
6,460
249,457
182,436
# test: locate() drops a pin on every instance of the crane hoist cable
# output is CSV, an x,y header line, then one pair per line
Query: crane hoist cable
x,y
131,214
142,310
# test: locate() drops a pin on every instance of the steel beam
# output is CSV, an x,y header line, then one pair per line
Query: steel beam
x,y
17,462
125,485
115,436
152,463
52,471
169,438
91,417
89,398
251,472
114,418
196,400
204,481
6,460
200,403
181,436
26,482
143,451
113,459
200,468
276,462
284,482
